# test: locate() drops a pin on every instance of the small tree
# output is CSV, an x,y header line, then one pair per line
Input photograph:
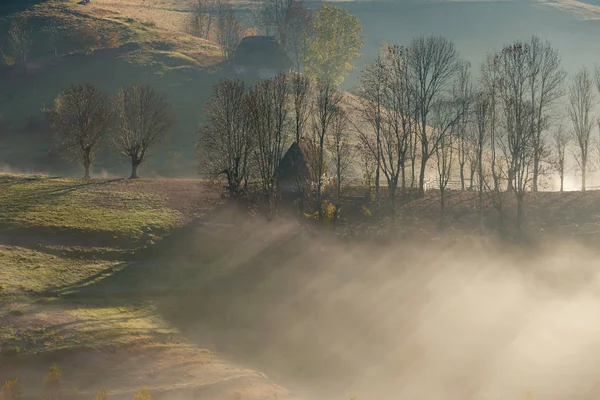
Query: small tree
x,y
581,104
52,382
19,37
142,118
300,87
80,117
561,141
482,115
336,43
11,390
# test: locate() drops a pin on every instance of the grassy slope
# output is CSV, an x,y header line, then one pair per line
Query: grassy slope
x,y
52,258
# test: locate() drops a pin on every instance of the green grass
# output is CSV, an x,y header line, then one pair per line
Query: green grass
x,y
83,206
26,271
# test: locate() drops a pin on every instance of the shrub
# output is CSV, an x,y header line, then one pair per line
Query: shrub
x,y
11,351
143,394
11,390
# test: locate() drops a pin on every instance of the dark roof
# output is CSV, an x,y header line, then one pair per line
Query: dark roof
x,y
293,165
261,51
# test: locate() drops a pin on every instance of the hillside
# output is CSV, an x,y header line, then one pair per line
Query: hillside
x,y
104,44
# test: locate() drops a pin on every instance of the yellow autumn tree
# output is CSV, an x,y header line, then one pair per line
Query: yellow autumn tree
x,y
336,44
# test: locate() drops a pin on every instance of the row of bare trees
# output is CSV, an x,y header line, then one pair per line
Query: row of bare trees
x,y
249,128
131,121
420,102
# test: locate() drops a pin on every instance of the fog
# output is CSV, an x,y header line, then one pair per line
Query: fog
x,y
408,318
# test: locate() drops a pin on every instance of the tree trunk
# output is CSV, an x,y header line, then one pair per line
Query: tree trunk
x,y
403,181
480,177
462,177
519,211
422,175
562,179
134,166
87,171
583,176
536,171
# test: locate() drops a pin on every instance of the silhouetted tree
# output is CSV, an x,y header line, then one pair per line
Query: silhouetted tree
x,y
482,117
342,154
581,104
11,390
225,145
80,118
52,383
371,90
142,118
268,110
326,107
545,81
433,62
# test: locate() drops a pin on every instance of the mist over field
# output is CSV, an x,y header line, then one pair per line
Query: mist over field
x,y
421,319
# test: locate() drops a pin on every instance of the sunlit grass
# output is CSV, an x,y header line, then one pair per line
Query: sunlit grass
x,y
78,205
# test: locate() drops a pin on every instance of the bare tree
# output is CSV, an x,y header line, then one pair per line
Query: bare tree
x,y
19,37
371,91
481,113
491,80
443,113
301,97
579,109
225,145
462,90
326,107
269,125
561,141
367,162
433,62
202,18
229,30
397,120
80,118
143,117
342,154
518,144
545,81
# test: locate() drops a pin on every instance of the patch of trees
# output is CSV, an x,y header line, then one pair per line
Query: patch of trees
x,y
131,122
323,44
249,129
421,110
